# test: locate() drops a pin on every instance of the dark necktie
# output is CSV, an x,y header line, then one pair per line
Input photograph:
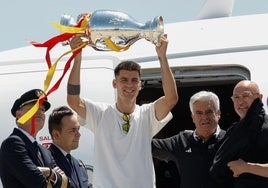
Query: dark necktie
x,y
39,155
73,171
69,157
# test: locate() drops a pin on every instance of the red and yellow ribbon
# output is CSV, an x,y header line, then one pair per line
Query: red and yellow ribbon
x,y
67,33
52,68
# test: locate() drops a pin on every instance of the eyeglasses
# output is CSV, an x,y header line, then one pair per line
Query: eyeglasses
x,y
126,125
244,96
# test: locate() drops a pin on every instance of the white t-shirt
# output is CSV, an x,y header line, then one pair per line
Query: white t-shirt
x,y
123,160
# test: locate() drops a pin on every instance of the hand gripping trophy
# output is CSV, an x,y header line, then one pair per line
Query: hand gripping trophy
x,y
112,30
104,30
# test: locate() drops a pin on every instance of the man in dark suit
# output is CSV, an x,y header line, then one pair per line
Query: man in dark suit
x,y
23,162
64,130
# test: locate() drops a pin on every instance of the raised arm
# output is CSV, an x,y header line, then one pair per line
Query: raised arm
x,y
73,87
165,103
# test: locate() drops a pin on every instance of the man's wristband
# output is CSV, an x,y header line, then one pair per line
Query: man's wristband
x,y
73,89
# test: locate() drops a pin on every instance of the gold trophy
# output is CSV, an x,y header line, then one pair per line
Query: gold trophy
x,y
112,30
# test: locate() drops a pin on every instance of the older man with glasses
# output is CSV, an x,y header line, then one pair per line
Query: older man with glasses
x,y
241,158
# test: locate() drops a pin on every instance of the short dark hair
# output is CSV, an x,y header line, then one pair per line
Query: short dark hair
x,y
54,121
127,65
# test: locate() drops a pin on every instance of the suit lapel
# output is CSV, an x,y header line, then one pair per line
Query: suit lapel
x,y
60,160
64,164
77,169
29,147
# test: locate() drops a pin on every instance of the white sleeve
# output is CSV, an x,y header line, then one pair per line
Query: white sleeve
x,y
94,111
157,125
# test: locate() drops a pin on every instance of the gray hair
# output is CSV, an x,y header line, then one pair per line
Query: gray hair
x,y
205,96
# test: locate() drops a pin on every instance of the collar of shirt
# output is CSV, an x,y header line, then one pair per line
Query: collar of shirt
x,y
62,151
217,132
32,139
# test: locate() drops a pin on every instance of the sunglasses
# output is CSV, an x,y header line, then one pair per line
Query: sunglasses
x,y
126,125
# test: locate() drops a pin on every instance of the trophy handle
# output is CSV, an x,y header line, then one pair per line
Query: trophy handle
x,y
156,28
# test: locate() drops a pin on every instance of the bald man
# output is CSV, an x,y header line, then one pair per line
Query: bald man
x,y
245,141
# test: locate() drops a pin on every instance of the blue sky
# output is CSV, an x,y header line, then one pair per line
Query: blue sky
x,y
31,19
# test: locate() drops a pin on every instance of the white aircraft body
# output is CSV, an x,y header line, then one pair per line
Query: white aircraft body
x,y
205,54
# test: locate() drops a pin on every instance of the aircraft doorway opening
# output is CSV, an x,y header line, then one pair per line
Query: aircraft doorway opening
x,y
218,79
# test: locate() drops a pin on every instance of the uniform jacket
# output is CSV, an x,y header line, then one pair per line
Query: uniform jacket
x,y
248,140
64,164
19,161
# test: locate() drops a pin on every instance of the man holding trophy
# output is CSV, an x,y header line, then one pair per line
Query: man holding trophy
x,y
123,131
